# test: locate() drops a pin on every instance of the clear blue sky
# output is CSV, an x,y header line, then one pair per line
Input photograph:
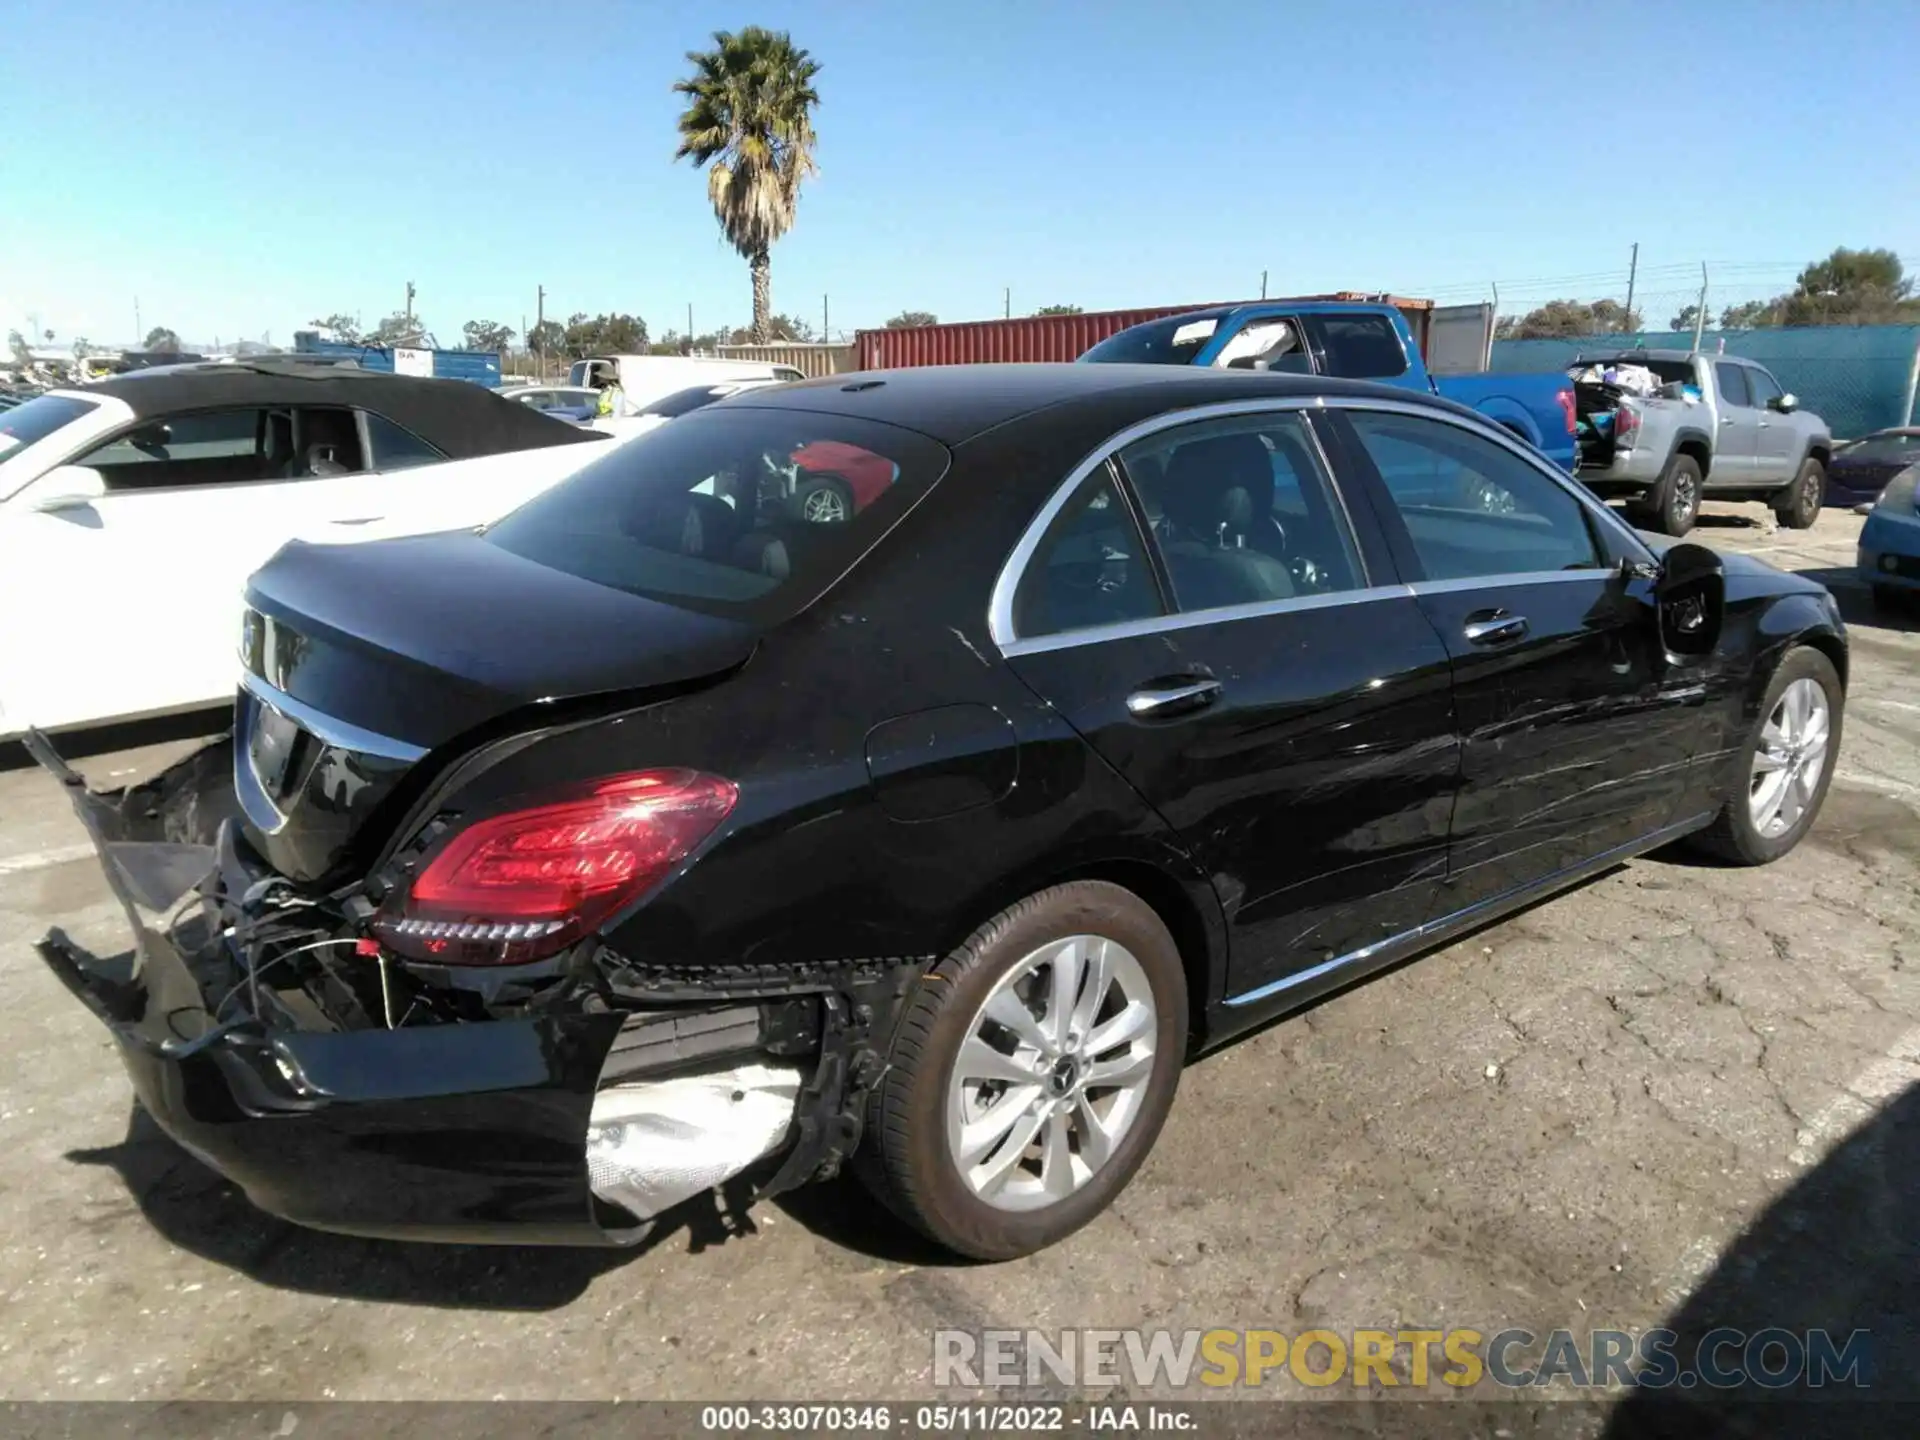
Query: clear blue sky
x,y
245,167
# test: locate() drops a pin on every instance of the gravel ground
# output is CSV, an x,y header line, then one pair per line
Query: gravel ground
x,y
1679,1093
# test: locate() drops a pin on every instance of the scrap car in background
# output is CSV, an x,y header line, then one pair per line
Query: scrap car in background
x,y
1889,555
1129,708
132,511
1860,469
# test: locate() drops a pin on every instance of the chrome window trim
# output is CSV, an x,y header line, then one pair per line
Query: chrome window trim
x,y
1186,619
1000,603
1518,577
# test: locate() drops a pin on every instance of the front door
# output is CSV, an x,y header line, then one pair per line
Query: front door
x,y
1578,729
1737,443
1259,679
1776,454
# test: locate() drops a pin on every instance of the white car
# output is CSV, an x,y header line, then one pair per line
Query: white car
x,y
133,511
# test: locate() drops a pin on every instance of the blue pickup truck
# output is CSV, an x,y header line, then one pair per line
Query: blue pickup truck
x,y
1354,340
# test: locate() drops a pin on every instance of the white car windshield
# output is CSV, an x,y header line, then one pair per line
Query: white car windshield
x,y
38,418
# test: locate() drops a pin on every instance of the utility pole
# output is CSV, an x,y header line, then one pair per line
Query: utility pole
x,y
540,324
139,335
1493,324
1633,272
689,327
1700,310
1263,284
1009,302
824,337
411,292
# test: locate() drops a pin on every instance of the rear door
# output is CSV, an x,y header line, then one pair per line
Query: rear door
x,y
1204,610
1578,729
1776,454
1737,443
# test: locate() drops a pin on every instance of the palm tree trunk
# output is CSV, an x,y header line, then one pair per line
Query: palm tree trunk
x,y
762,296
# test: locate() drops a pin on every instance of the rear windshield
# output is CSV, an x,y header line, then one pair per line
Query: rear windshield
x,y
38,418
740,512
1158,342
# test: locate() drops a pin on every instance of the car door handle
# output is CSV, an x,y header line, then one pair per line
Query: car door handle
x,y
1152,702
1726,419
1495,628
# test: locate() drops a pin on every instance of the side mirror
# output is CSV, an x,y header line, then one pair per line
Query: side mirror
x,y
1785,404
66,487
1691,593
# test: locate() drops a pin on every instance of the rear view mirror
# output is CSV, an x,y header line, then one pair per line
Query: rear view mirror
x,y
1692,594
1786,404
66,487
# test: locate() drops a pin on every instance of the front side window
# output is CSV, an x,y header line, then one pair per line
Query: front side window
x,y
212,447
1762,387
1884,447
395,448
1471,506
1271,344
750,513
1243,512
1731,380
1360,347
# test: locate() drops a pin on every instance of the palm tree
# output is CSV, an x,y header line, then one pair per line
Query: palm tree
x,y
749,120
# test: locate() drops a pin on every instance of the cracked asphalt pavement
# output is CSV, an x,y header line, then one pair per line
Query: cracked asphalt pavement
x,y
1678,1094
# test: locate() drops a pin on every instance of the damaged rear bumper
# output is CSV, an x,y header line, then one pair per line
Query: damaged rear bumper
x,y
573,1125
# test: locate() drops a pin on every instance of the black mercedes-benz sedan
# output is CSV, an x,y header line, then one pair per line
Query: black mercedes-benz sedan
x,y
659,834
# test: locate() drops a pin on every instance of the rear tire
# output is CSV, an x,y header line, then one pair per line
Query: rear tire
x,y
955,1066
1675,502
1737,834
1798,506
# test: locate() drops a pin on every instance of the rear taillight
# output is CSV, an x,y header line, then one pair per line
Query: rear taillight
x,y
1626,425
528,883
1567,409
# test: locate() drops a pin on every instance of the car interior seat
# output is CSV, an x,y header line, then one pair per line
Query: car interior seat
x,y
1218,498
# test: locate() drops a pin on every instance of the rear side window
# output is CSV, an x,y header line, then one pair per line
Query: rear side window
x,y
1360,347
395,448
1090,568
1731,381
749,513
1472,507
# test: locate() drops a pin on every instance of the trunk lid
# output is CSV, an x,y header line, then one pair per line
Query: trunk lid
x,y
362,660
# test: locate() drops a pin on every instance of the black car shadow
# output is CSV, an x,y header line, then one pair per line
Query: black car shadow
x,y
1857,605
206,1214
1838,1252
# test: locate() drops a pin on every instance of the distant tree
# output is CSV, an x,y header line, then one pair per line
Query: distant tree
x,y
1684,320
603,335
790,328
749,121
1850,287
549,337
398,329
1564,319
162,341
341,327
82,347
17,346
1750,315
671,343
1059,310
912,320
487,335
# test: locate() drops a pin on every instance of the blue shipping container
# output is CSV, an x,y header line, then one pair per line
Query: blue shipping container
x,y
482,367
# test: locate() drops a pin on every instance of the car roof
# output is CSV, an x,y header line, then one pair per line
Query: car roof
x,y
456,416
953,403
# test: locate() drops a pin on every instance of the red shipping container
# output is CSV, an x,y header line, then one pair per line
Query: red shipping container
x,y
1050,337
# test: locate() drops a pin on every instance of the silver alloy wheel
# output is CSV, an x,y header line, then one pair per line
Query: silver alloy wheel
x,y
1053,1072
824,506
1685,501
1790,758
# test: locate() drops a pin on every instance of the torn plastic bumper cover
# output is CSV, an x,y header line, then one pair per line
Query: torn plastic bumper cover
x,y
566,1123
